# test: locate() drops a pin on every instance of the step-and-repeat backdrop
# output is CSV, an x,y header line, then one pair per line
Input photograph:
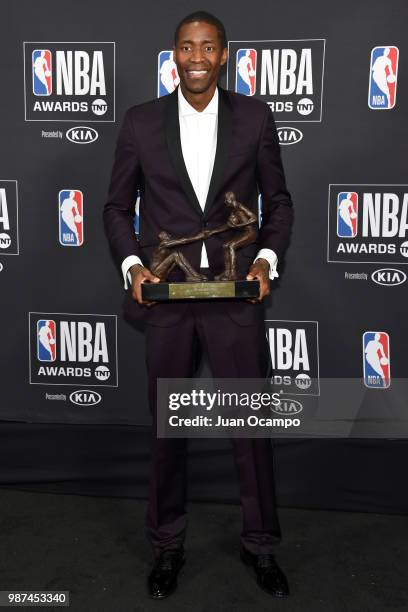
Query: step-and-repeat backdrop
x,y
334,75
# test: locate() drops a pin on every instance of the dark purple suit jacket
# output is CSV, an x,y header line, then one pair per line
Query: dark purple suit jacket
x,y
149,157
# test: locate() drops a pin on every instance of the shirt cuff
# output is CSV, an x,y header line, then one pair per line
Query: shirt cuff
x,y
126,265
272,259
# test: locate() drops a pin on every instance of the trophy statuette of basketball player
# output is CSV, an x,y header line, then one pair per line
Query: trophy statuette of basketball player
x,y
168,255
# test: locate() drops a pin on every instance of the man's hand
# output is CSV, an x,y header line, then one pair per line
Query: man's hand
x,y
260,271
140,275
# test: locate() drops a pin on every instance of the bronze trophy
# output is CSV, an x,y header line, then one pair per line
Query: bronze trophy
x,y
226,285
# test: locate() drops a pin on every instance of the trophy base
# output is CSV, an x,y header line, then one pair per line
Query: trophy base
x,y
163,292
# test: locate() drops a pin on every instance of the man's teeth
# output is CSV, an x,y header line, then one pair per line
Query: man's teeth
x,y
197,71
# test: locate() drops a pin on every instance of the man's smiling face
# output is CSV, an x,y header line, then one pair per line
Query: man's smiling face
x,y
199,56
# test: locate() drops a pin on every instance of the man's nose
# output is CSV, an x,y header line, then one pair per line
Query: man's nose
x,y
197,55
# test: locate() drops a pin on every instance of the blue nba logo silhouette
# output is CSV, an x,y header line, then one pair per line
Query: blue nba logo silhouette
x,y
46,340
42,72
347,214
167,75
245,75
376,360
71,218
383,78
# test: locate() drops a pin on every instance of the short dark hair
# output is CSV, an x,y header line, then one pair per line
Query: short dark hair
x,y
207,18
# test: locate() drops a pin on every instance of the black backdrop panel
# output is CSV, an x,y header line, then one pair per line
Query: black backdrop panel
x,y
64,68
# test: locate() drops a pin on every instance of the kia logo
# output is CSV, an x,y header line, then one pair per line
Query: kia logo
x,y
389,277
85,398
82,135
289,135
287,407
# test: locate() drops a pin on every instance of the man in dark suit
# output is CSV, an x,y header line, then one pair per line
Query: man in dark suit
x,y
184,151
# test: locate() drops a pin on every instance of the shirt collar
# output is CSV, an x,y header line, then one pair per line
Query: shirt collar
x,y
186,109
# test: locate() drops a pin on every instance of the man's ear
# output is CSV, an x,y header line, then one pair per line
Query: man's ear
x,y
173,52
224,56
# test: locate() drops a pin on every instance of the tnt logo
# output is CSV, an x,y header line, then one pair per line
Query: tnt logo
x,y
167,75
305,106
71,219
42,72
376,360
5,241
46,340
383,78
102,373
245,77
404,249
347,214
293,348
68,349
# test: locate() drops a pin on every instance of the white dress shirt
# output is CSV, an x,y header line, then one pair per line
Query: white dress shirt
x,y
198,136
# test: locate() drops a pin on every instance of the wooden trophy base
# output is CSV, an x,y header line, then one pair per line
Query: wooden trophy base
x,y
210,290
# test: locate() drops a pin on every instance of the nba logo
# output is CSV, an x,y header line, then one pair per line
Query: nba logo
x,y
383,77
71,220
167,75
245,76
347,214
42,75
376,360
46,342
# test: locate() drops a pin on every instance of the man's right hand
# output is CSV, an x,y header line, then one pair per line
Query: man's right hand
x,y
140,275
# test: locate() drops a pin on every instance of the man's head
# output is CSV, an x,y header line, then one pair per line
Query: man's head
x,y
200,49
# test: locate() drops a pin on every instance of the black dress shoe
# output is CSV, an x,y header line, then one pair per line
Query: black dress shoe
x,y
269,575
162,580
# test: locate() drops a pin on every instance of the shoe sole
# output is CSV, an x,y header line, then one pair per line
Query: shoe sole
x,y
249,566
174,587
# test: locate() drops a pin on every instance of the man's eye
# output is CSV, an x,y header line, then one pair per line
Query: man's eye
x,y
209,48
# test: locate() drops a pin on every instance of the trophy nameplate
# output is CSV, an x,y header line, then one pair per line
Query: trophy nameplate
x,y
193,291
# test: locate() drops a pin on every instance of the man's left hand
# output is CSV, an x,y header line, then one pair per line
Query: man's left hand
x,y
260,271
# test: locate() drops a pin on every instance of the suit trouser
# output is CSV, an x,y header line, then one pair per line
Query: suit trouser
x,y
233,351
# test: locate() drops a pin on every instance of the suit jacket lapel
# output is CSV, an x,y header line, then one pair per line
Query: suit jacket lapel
x,y
224,135
172,128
